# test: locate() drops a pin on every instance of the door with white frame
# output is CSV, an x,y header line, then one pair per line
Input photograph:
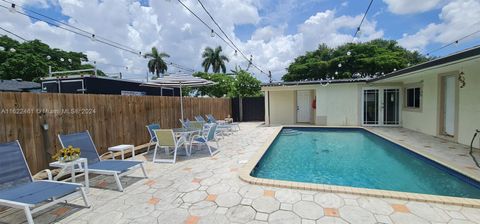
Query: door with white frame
x,y
304,110
381,106
448,104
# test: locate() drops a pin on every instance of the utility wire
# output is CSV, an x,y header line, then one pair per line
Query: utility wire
x,y
68,25
82,33
454,42
228,38
12,33
234,47
363,19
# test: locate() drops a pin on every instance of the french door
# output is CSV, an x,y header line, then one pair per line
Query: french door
x,y
381,106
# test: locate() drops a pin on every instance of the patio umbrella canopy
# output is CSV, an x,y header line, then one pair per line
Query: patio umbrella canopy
x,y
180,82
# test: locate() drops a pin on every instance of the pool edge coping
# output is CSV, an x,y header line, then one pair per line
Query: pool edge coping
x,y
244,174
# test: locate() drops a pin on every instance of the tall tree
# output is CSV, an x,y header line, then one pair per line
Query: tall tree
x,y
30,60
371,58
215,59
156,65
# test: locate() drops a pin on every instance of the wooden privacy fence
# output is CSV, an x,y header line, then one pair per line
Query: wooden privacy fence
x,y
111,119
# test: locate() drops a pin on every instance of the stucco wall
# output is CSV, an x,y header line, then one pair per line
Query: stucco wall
x,y
282,107
338,105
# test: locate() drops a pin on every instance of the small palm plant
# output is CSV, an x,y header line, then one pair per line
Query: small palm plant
x,y
215,59
156,65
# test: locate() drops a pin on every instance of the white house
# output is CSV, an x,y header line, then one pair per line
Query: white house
x,y
439,97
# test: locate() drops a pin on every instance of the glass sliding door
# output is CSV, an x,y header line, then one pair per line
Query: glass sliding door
x,y
391,104
370,106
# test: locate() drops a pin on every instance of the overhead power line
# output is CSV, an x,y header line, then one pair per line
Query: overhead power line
x,y
12,33
228,38
83,33
454,42
230,43
363,19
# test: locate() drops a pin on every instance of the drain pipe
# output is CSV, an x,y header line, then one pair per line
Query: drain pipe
x,y
471,148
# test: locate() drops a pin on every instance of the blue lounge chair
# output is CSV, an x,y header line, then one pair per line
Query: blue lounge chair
x,y
116,168
205,137
211,119
150,129
19,190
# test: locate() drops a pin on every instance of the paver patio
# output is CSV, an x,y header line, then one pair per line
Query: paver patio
x,y
204,189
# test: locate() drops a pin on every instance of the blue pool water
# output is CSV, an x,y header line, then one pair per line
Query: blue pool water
x,y
357,158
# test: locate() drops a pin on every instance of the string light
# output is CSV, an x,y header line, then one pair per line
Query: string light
x,y
339,65
349,53
2,48
358,30
12,33
12,50
93,37
12,8
49,57
456,42
212,34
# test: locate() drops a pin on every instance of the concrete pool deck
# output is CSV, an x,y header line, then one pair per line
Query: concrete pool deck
x,y
204,189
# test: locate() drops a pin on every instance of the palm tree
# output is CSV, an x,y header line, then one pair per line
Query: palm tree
x,y
215,59
156,64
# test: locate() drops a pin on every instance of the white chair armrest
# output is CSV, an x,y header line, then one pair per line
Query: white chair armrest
x,y
48,171
104,154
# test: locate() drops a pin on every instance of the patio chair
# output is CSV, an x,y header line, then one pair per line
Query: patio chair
x,y
212,119
150,129
167,139
115,168
185,123
19,190
209,135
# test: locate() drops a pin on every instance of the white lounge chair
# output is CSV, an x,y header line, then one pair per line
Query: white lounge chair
x,y
207,136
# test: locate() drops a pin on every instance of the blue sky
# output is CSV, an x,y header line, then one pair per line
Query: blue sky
x,y
274,31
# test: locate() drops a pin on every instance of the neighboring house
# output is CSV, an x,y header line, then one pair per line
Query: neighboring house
x,y
15,85
440,98
91,84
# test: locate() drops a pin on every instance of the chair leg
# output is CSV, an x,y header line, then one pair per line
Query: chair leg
x,y
149,143
119,184
154,153
143,170
28,214
84,196
175,155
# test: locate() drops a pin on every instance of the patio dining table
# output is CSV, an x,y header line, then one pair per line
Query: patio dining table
x,y
188,133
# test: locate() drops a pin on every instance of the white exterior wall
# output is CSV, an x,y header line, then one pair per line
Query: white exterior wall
x,y
338,105
282,107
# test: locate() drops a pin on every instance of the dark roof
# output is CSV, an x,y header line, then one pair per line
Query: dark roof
x,y
17,85
471,52
314,82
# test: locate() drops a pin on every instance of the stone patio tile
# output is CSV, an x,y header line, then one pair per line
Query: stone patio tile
x,y
202,208
251,191
308,221
471,213
286,206
214,219
375,205
288,196
332,212
241,214
283,217
461,221
308,210
331,220
307,197
428,212
194,196
266,204
192,220
246,201
406,218
219,188
383,219
228,199
353,215
221,210
261,216
269,193
329,200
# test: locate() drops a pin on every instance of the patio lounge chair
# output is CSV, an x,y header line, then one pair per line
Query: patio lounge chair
x,y
205,137
185,123
19,190
221,129
116,168
150,129
212,119
167,139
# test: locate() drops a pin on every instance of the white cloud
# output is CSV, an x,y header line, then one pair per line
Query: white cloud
x,y
411,6
172,29
458,18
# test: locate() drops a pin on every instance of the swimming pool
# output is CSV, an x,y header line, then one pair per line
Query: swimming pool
x,y
355,157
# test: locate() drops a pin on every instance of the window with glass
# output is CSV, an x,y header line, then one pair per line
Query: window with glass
x,y
413,97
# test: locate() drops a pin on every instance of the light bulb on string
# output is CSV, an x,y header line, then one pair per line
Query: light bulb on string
x,y
49,57
349,53
212,33
336,73
2,48
69,60
61,59
236,53
92,38
12,50
339,65
13,8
